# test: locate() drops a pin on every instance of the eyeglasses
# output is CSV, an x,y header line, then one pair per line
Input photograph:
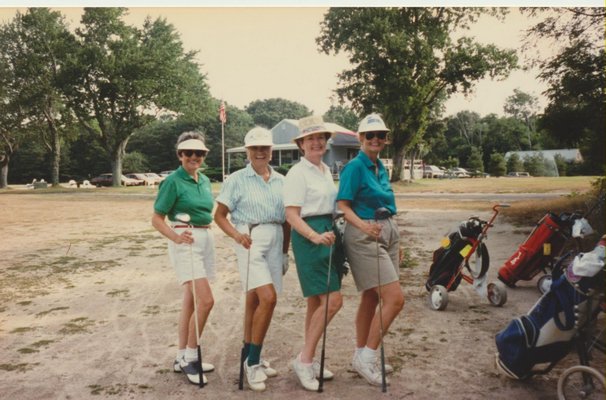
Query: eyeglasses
x,y
189,153
379,135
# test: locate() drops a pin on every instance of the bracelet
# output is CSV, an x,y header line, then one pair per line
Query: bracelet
x,y
311,234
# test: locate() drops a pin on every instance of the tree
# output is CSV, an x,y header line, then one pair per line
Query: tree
x,y
514,164
475,162
497,165
269,112
343,116
524,107
121,78
575,115
406,64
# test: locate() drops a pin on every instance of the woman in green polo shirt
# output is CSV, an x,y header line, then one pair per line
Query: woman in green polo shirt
x,y
190,245
371,246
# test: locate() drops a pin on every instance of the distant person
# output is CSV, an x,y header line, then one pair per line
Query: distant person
x,y
363,188
188,191
253,197
309,197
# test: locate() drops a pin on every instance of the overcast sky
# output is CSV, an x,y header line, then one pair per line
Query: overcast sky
x,y
264,52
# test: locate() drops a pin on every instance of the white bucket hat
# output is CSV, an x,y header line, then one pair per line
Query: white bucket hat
x,y
372,123
313,124
192,144
258,136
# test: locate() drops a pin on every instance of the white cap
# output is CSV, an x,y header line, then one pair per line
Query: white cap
x,y
192,144
258,136
372,123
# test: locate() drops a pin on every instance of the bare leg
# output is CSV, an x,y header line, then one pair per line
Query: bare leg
x,y
365,315
266,300
205,304
316,323
393,301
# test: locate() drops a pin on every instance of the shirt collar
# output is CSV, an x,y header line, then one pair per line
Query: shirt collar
x,y
368,162
250,172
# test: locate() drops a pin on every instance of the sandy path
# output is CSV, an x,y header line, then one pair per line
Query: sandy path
x,y
89,306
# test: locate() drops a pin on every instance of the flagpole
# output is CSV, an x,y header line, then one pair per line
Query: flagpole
x,y
222,151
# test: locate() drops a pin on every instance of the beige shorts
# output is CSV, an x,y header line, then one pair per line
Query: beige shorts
x,y
361,253
265,265
196,261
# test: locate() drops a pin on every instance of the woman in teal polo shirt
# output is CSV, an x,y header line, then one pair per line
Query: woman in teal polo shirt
x,y
190,245
363,188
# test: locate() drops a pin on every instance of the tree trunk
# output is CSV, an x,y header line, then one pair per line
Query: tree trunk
x,y
4,172
55,158
398,156
117,163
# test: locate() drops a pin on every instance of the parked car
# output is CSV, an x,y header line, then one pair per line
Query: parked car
x,y
106,180
154,178
458,172
479,174
431,171
519,174
140,178
164,174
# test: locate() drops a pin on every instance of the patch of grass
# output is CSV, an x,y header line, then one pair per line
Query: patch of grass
x,y
43,313
151,310
77,325
117,292
42,343
27,350
408,261
21,367
24,302
23,329
117,389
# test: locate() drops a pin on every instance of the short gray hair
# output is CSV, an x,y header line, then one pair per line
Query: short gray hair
x,y
189,135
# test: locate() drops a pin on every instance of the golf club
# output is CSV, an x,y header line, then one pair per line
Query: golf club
x,y
381,214
186,219
243,353
336,215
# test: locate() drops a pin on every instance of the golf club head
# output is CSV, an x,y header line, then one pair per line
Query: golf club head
x,y
382,213
182,217
336,214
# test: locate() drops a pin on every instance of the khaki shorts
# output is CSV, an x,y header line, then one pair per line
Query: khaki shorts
x,y
265,257
361,253
201,257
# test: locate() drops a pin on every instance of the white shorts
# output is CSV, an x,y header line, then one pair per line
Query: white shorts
x,y
265,257
202,255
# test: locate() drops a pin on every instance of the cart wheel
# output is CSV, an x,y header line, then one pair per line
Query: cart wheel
x,y
479,262
581,382
438,298
544,283
497,294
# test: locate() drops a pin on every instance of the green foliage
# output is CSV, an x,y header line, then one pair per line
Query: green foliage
x,y
561,164
514,164
343,116
497,165
267,113
475,162
135,162
405,63
284,168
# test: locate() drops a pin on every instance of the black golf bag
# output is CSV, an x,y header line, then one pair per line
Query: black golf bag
x,y
447,259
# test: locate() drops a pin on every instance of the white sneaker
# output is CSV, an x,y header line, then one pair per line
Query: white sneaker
x,y
369,371
267,369
255,377
206,367
306,375
388,367
327,374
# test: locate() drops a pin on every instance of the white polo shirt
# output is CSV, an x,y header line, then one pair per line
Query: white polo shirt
x,y
307,187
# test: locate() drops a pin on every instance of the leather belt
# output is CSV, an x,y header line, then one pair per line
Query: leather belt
x,y
192,226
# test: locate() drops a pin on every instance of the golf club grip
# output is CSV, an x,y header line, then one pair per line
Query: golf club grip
x,y
200,374
242,359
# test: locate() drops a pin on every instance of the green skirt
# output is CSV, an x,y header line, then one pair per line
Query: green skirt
x,y
312,260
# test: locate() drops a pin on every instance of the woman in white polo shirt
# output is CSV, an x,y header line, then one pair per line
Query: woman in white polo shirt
x,y
253,197
190,246
309,198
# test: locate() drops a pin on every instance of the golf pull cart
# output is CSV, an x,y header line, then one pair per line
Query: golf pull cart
x,y
464,248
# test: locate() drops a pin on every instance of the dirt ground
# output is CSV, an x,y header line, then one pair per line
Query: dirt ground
x,y
89,307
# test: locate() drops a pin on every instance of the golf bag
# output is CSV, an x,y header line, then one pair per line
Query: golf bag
x,y
447,258
545,334
538,251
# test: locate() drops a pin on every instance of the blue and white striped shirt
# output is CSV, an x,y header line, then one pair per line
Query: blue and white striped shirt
x,y
252,200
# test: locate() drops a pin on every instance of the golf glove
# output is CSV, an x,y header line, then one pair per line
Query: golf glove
x,y
284,263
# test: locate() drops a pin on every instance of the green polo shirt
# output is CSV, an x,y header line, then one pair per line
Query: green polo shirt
x,y
180,193
366,188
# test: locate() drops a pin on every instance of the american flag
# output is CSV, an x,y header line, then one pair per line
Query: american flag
x,y
222,113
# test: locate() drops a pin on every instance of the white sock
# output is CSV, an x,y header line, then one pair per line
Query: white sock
x,y
181,354
368,355
358,351
191,354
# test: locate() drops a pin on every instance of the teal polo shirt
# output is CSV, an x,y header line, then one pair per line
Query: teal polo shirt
x,y
366,189
180,193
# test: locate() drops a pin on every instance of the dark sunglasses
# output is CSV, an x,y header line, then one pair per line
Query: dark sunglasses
x,y
189,153
371,135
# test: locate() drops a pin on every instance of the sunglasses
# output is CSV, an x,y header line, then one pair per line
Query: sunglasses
x,y
379,135
189,153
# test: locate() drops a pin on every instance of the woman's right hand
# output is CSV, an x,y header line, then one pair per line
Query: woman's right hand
x,y
372,229
326,238
184,237
243,239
